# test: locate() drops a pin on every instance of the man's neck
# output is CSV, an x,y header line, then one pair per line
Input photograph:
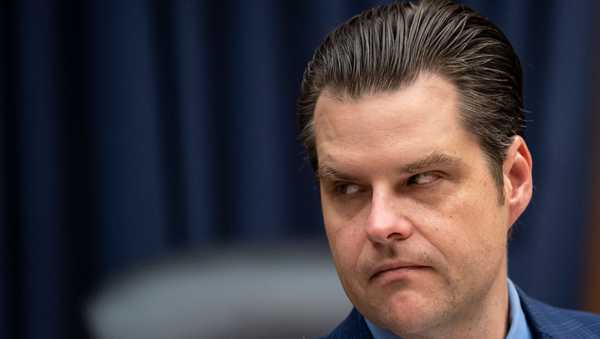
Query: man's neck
x,y
487,318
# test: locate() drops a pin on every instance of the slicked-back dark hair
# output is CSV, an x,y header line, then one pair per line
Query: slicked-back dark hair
x,y
388,47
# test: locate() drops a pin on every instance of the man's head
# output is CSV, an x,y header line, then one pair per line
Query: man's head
x,y
411,115
387,47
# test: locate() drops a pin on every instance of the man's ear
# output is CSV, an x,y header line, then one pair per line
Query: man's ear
x,y
518,180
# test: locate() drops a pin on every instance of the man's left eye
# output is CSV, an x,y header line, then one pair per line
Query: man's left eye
x,y
423,178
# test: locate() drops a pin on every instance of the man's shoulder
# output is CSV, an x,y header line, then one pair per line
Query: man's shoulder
x,y
547,321
353,327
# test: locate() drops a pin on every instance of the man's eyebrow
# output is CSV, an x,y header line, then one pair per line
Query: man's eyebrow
x,y
330,173
431,160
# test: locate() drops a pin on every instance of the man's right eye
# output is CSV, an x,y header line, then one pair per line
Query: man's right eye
x,y
346,188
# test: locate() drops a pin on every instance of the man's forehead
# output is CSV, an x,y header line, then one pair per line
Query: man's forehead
x,y
428,90
414,114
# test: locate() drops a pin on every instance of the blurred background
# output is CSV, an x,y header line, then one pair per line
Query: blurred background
x,y
151,184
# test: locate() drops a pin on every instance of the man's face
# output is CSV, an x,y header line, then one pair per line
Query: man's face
x,y
411,210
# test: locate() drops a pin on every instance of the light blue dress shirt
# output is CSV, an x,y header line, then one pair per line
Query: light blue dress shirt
x,y
519,329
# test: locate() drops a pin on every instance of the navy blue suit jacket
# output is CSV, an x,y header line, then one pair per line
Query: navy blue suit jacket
x,y
544,321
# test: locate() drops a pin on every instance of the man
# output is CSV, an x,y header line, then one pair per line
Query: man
x,y
412,117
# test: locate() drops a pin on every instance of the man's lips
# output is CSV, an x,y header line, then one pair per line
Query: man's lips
x,y
398,268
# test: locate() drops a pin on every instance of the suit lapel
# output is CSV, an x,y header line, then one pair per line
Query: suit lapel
x,y
353,327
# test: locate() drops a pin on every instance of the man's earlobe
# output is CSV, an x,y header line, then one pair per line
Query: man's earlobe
x,y
518,180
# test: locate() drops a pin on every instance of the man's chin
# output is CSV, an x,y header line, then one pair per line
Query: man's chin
x,y
404,312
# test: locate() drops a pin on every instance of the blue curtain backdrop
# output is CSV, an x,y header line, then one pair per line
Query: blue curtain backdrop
x,y
132,129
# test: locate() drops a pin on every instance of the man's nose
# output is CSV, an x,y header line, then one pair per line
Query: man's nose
x,y
386,221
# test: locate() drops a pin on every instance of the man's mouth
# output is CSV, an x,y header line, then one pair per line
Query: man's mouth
x,y
396,271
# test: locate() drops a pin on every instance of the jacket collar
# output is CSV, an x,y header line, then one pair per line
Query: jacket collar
x,y
353,327
545,321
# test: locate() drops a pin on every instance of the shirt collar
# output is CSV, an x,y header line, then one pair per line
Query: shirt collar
x,y
519,329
